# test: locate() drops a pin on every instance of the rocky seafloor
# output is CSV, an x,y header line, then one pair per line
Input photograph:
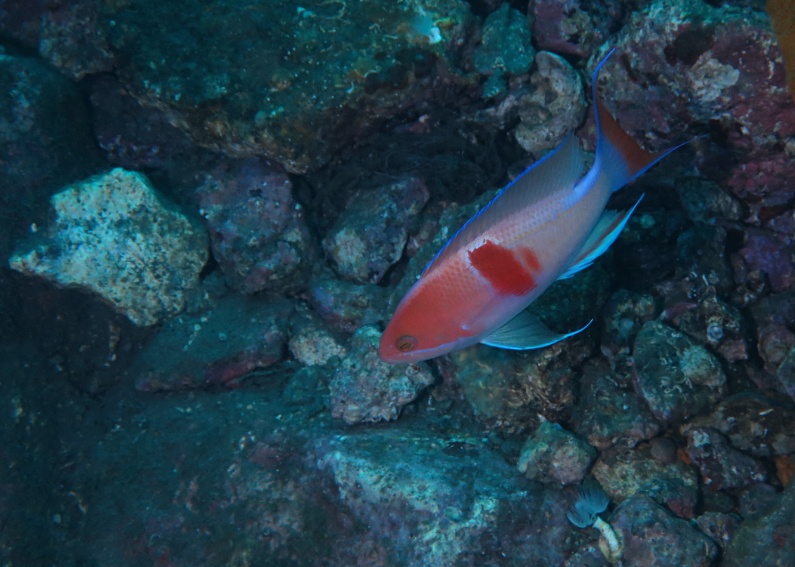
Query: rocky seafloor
x,y
209,210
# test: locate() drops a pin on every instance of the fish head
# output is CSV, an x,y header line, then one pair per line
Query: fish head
x,y
424,327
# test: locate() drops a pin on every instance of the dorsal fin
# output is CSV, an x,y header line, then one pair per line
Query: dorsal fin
x,y
557,171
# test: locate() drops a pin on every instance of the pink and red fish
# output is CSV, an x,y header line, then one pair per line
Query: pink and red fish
x,y
548,224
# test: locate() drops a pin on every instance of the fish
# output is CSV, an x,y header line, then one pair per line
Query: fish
x,y
549,223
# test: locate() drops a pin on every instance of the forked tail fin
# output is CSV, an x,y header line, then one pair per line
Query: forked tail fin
x,y
620,157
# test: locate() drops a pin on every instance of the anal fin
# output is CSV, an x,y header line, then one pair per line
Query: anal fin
x,y
607,229
524,332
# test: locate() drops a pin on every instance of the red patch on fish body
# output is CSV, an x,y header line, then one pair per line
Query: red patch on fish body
x,y
507,273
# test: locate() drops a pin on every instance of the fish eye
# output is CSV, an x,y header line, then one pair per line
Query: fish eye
x,y
406,343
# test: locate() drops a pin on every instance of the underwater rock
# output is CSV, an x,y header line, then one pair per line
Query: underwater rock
x,y
70,38
45,142
553,455
506,49
426,501
509,390
116,236
772,317
370,235
346,306
771,253
719,526
573,27
701,252
721,466
311,341
627,473
624,315
366,389
705,202
257,228
754,422
223,346
675,376
608,415
681,58
719,325
554,105
768,538
653,536
287,82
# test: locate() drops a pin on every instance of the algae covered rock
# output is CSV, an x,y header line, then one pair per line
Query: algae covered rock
x,y
116,236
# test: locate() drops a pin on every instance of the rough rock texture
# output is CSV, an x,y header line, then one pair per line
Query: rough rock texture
x,y
721,466
114,235
772,318
718,324
553,455
767,539
710,64
673,484
346,306
312,342
366,389
290,82
506,49
422,503
624,315
653,536
257,228
675,376
45,142
755,422
553,106
370,235
235,338
609,413
573,27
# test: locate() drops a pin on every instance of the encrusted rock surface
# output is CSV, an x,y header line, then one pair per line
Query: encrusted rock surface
x,y
257,229
552,454
116,236
366,389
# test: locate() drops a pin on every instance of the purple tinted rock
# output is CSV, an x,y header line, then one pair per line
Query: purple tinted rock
x,y
767,539
553,106
675,376
755,422
346,306
422,501
609,415
719,526
553,455
366,389
370,235
653,536
721,465
573,27
218,348
624,474
772,253
257,229
291,83
683,59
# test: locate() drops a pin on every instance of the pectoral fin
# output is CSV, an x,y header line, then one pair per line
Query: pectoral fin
x,y
524,332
